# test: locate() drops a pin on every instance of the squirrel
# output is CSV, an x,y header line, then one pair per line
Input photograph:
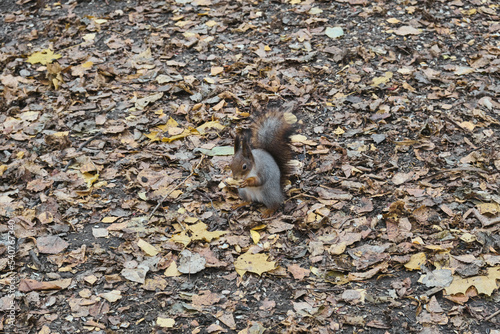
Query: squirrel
x,y
261,160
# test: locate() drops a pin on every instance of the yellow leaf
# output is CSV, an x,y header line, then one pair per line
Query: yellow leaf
x,y
315,10
469,12
259,227
210,23
209,125
88,64
316,271
417,241
181,238
43,57
216,70
337,249
339,131
483,284
153,136
3,168
202,2
90,178
298,138
255,236
88,37
191,220
109,219
468,126
184,134
199,232
468,238
255,263
267,48
147,248
435,247
55,82
393,20
416,261
171,123
172,271
219,105
174,194
491,208
333,276
382,80
165,322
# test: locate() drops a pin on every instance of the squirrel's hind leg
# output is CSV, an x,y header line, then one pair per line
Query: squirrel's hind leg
x,y
268,213
242,204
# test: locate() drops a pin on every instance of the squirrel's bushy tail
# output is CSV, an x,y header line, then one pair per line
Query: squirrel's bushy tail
x,y
271,132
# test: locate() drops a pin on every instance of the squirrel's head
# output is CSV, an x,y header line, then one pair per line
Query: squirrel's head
x,y
242,162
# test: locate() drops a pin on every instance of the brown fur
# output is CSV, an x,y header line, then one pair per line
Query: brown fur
x,y
271,132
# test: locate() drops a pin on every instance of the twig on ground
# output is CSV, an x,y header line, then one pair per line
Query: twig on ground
x,y
36,261
177,186
300,195
491,316
457,170
211,202
485,221
85,143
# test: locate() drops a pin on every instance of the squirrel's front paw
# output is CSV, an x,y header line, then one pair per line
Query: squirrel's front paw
x,y
250,182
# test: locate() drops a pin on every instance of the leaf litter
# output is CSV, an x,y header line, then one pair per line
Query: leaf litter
x,y
117,122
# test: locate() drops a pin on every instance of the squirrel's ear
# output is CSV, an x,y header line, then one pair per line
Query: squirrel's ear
x,y
245,146
237,142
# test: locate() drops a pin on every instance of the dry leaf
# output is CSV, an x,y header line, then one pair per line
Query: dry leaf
x,y
255,263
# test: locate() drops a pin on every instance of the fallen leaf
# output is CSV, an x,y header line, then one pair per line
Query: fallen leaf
x,y
437,278
255,263
165,322
27,285
51,244
43,57
484,284
190,263
298,272
111,296
334,32
172,271
147,248
382,80
416,261
205,298
407,30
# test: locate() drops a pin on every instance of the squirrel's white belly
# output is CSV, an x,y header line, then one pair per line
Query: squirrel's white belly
x,y
253,194
269,192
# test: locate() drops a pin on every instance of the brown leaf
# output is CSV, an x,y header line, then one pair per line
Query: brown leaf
x,y
298,272
407,30
367,274
51,244
26,285
205,298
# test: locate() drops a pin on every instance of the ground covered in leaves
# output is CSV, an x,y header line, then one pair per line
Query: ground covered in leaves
x,y
117,121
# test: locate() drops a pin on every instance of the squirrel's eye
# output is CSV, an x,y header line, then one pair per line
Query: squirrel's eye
x,y
244,166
